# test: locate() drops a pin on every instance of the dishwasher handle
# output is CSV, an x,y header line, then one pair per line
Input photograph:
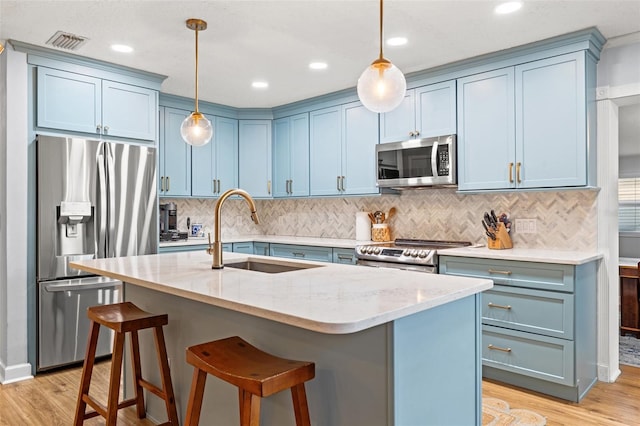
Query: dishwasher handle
x,y
53,288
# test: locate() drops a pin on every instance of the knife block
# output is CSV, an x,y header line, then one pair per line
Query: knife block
x,y
502,241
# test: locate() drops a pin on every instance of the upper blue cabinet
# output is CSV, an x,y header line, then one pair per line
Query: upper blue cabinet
x,y
214,166
254,166
342,150
526,126
291,156
74,102
175,155
425,111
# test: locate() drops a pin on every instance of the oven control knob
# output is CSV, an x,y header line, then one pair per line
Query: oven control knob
x,y
369,250
414,253
406,252
376,250
362,250
422,254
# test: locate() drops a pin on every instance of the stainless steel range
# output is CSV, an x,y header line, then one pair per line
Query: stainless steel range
x,y
413,255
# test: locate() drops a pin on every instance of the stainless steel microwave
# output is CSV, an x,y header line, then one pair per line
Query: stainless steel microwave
x,y
417,162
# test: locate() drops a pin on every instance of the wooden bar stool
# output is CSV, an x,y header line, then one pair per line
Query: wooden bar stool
x,y
124,318
257,374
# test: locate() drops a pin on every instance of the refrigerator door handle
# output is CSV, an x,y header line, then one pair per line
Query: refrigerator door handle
x,y
111,202
101,221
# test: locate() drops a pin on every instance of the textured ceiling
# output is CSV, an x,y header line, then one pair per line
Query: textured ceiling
x,y
276,40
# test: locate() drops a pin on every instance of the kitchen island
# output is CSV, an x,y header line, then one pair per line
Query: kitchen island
x,y
391,347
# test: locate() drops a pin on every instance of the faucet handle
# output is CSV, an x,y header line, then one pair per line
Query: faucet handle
x,y
210,248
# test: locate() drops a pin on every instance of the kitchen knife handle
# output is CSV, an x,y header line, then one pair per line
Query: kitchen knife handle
x,y
510,172
518,166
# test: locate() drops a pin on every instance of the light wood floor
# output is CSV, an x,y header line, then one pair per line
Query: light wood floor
x,y
49,400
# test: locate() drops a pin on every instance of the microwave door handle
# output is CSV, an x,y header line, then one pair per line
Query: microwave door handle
x,y
434,159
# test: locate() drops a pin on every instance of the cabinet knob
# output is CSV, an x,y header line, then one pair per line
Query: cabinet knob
x,y
106,130
98,128
416,133
411,134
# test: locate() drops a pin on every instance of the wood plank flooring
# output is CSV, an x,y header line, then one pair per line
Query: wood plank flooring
x,y
49,400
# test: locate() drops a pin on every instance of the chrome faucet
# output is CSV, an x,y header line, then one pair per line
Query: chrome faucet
x,y
215,248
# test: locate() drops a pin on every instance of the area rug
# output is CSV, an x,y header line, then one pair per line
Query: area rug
x,y
630,351
496,412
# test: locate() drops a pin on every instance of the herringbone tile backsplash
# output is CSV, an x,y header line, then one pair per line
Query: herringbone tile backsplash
x,y
565,219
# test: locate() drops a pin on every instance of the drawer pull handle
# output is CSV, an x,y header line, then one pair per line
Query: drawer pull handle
x,y
498,348
492,305
493,271
298,254
345,257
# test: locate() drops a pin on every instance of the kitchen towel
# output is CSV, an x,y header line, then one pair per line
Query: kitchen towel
x,y
363,226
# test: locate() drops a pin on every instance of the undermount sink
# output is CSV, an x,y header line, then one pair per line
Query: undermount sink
x,y
270,267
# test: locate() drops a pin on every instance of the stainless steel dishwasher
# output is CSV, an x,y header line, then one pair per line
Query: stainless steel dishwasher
x,y
63,322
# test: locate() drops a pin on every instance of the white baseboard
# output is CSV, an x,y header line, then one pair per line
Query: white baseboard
x,y
15,373
608,375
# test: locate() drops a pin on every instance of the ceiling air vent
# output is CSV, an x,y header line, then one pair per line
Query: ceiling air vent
x,y
67,41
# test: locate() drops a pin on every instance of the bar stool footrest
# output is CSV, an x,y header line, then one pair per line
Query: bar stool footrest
x,y
152,388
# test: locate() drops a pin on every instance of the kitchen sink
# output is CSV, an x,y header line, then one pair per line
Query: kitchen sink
x,y
270,267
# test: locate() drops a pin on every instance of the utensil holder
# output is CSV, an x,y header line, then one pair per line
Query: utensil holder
x,y
502,241
380,232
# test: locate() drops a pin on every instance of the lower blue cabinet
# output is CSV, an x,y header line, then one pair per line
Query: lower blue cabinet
x,y
344,256
245,247
260,248
320,254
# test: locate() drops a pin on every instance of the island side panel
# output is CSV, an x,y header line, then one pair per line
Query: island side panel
x,y
351,386
437,374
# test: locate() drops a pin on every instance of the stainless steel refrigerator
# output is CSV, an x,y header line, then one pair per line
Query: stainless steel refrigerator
x,y
95,199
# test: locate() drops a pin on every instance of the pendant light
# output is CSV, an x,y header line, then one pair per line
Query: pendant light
x,y
382,86
196,129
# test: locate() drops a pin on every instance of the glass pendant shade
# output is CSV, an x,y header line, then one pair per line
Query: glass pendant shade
x,y
382,86
196,129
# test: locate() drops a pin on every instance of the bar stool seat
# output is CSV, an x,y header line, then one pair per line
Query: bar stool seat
x,y
124,318
256,373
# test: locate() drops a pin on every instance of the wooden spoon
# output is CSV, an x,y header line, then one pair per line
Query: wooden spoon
x,y
392,212
373,219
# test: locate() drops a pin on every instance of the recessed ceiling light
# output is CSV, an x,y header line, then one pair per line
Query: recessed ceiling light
x,y
396,41
508,7
259,84
122,48
318,65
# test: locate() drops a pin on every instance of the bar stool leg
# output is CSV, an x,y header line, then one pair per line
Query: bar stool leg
x,y
137,375
114,380
300,407
249,409
167,388
87,371
195,397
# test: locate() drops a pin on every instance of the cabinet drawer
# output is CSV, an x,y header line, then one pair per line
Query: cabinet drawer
x,y
543,276
542,312
246,248
322,254
345,256
542,357
261,248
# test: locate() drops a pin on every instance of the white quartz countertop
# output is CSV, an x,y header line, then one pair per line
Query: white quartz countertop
x,y
331,298
279,239
526,255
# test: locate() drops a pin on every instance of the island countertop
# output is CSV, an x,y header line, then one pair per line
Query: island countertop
x,y
330,298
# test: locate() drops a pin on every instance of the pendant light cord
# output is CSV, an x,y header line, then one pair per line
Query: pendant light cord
x,y
196,70
381,29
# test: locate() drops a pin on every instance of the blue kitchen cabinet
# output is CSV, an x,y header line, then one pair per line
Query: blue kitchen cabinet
x,y
175,155
214,166
425,112
344,255
486,130
551,126
320,254
538,323
261,248
525,126
74,102
291,156
342,150
243,247
254,164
